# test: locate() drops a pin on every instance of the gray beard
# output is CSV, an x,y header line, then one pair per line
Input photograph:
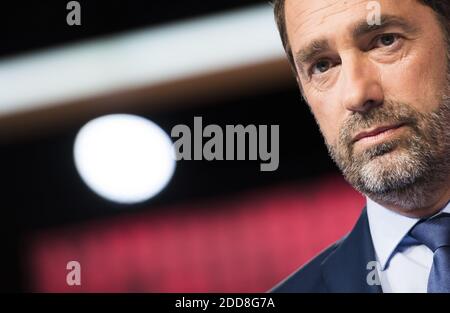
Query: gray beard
x,y
404,171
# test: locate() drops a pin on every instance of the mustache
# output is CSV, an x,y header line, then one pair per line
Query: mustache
x,y
387,114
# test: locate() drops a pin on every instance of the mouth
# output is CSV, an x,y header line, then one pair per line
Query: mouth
x,y
377,133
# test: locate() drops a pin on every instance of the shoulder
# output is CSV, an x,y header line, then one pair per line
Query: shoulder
x,y
307,278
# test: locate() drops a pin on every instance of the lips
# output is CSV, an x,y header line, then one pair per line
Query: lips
x,y
375,131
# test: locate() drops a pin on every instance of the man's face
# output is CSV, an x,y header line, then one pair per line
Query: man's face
x,y
379,93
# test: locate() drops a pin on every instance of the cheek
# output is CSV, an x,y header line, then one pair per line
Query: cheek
x,y
327,118
418,79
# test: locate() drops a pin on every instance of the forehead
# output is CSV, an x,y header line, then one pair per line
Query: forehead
x,y
307,20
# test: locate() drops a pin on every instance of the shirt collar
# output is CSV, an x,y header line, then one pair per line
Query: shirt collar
x,y
388,228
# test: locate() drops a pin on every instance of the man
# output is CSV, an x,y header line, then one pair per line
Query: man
x,y
379,89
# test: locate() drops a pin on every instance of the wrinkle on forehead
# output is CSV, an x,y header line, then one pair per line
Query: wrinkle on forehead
x,y
307,15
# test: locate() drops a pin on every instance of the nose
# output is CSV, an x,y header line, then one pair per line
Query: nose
x,y
361,88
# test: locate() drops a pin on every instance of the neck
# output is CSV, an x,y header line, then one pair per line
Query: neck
x,y
434,203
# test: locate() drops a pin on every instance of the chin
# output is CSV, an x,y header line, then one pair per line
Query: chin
x,y
393,171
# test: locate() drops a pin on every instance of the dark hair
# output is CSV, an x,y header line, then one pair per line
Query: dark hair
x,y
440,7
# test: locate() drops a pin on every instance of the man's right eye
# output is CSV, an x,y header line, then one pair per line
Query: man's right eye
x,y
320,67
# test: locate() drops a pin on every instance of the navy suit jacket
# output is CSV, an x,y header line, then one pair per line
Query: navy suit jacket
x,y
340,268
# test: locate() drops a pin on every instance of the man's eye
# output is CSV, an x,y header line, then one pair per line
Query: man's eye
x,y
386,40
321,67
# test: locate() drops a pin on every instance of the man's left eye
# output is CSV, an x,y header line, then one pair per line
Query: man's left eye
x,y
387,40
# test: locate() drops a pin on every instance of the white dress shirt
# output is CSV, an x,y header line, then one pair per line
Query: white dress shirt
x,y
404,265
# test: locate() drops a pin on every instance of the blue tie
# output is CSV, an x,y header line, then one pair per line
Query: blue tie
x,y
435,234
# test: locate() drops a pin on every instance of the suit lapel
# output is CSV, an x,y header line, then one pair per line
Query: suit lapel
x,y
345,270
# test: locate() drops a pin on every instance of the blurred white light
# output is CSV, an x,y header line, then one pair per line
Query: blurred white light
x,y
124,158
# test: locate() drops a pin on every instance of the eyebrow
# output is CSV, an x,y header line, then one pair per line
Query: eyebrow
x,y
362,28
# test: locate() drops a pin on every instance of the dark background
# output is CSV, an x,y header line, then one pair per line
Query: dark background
x,y
41,188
